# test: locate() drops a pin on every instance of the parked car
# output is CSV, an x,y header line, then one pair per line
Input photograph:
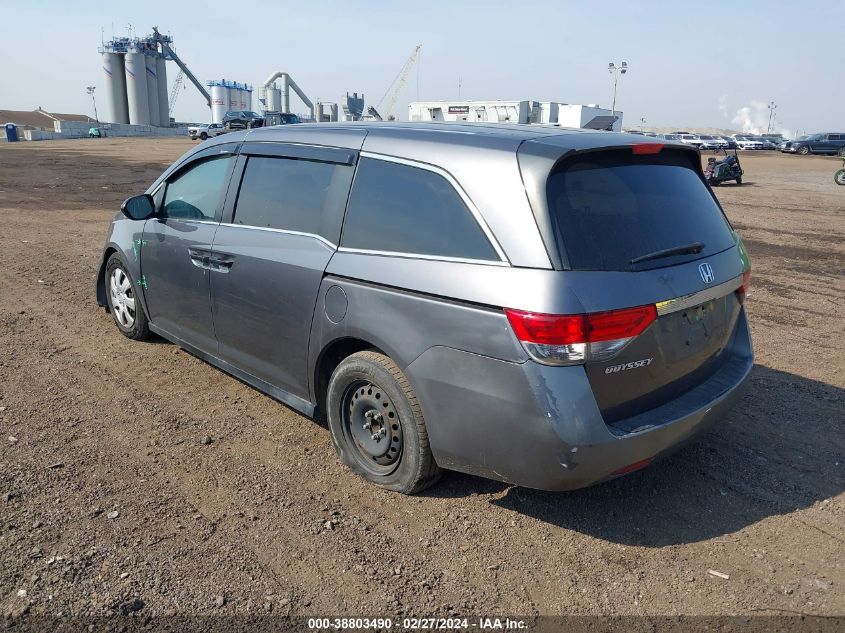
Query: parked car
x,y
95,132
516,322
204,131
691,139
242,120
828,143
730,141
712,142
280,118
670,137
747,142
766,143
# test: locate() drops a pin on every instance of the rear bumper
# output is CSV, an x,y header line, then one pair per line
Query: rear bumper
x,y
540,427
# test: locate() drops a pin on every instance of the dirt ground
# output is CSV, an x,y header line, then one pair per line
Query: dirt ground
x,y
110,501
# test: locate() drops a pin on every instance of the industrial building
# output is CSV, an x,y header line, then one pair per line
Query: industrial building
x,y
523,111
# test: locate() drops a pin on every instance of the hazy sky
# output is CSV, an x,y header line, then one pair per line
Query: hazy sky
x,y
713,63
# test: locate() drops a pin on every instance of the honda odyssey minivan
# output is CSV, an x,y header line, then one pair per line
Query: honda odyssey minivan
x,y
547,307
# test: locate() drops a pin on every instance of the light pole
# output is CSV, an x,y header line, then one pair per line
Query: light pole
x,y
615,70
642,123
90,90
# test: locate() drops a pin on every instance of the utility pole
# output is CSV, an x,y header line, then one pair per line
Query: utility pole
x,y
615,70
642,123
772,107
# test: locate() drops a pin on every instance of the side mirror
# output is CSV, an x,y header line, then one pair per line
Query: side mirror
x,y
138,207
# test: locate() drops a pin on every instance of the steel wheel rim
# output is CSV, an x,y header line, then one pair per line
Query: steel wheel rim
x,y
372,427
122,298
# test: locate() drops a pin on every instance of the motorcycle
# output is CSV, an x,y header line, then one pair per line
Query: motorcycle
x,y
839,177
723,170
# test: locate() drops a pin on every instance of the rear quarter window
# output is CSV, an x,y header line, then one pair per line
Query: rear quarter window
x,y
409,210
612,207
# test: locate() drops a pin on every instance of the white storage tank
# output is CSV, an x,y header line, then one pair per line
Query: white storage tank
x,y
116,87
274,99
246,99
152,89
136,88
219,103
234,99
163,98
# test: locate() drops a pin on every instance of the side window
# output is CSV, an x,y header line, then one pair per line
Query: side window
x,y
294,195
196,193
403,209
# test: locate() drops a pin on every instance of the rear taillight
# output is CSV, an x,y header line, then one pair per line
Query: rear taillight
x,y
746,281
570,339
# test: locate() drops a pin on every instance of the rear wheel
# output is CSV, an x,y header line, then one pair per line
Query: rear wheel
x,y
803,150
842,152
377,425
839,177
204,136
124,303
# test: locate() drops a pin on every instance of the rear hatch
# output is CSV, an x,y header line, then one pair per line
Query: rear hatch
x,y
625,221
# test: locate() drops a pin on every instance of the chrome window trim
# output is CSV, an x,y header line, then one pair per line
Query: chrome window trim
x,y
319,238
697,298
435,258
479,219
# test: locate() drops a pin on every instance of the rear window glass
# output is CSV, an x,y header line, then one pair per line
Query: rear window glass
x,y
613,207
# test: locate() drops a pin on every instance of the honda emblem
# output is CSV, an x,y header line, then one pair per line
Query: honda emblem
x,y
706,272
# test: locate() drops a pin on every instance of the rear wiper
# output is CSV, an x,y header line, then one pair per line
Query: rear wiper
x,y
688,249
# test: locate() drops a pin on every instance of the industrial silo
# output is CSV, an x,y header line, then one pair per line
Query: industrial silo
x,y
246,99
234,99
116,87
219,102
136,88
274,99
163,103
152,89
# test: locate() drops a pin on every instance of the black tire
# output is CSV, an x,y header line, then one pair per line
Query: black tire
x,y
204,136
839,177
138,329
803,150
842,152
739,180
370,383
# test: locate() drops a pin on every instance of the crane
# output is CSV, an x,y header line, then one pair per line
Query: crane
x,y
174,91
395,87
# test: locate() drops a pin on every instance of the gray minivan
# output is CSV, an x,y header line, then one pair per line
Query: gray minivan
x,y
542,306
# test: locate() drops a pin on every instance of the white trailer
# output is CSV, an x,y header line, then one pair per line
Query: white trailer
x,y
523,111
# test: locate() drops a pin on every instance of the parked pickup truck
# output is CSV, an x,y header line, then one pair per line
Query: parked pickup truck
x,y
205,130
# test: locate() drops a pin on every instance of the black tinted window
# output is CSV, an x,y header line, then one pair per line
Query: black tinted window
x,y
405,209
612,207
197,192
295,195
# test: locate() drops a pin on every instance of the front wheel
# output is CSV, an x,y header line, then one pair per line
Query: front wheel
x,y
377,424
739,180
124,303
204,136
839,177
842,152
803,150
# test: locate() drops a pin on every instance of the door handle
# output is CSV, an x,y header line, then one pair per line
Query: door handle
x,y
199,257
220,262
